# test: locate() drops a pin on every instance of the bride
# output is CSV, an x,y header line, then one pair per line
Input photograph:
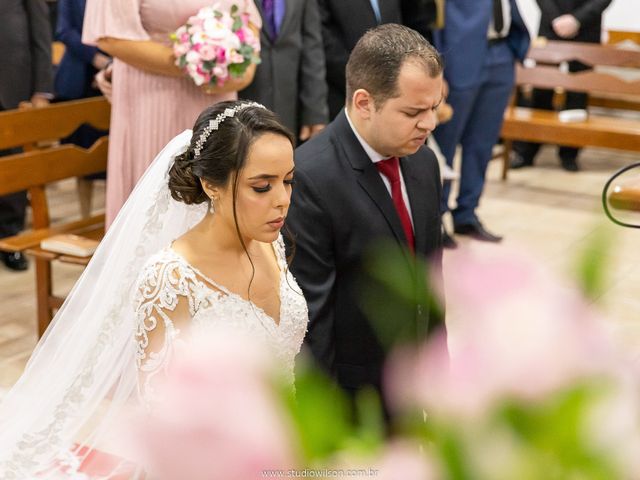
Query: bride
x,y
196,246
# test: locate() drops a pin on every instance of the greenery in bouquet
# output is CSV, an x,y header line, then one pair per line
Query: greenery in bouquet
x,y
214,46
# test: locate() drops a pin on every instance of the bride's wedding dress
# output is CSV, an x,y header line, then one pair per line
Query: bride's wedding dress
x,y
170,286
84,376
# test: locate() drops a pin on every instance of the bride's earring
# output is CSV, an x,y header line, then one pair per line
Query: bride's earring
x,y
212,209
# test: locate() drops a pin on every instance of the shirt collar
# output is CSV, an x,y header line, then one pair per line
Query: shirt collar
x,y
371,153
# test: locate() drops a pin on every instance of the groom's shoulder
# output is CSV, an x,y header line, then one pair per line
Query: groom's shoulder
x,y
425,163
317,153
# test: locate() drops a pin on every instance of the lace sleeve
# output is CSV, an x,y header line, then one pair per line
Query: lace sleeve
x,y
164,304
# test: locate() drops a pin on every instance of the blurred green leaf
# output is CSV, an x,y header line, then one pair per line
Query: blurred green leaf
x,y
555,433
393,286
320,413
592,261
370,429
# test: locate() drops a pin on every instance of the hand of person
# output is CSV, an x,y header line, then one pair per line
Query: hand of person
x,y
37,100
100,61
103,81
310,131
566,26
233,84
444,112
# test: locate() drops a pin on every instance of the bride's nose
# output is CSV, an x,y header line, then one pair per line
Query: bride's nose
x,y
282,196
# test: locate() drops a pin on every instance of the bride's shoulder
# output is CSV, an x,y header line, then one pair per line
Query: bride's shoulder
x,y
163,269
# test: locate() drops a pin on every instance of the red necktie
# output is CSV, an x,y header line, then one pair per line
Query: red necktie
x,y
390,168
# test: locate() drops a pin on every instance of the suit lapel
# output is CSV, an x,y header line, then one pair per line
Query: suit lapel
x,y
415,191
367,175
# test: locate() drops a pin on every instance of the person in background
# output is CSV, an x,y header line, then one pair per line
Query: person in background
x,y
152,99
80,63
480,42
572,21
53,13
26,80
344,22
290,77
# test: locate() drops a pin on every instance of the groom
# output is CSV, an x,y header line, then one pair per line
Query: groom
x,y
368,178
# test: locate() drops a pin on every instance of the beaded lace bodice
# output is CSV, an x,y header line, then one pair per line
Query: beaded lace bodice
x,y
172,292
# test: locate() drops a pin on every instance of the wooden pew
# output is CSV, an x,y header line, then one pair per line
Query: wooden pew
x,y
37,167
600,129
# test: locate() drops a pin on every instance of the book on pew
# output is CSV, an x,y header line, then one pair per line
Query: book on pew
x,y
69,244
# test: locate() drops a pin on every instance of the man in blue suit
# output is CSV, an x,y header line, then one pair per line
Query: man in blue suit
x,y
80,63
480,43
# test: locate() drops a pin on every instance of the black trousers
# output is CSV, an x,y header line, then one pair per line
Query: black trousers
x,y
12,207
543,99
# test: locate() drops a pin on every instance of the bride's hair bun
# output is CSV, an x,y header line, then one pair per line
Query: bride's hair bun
x,y
184,185
221,151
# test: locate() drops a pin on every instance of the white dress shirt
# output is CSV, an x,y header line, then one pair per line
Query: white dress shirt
x,y
375,158
506,22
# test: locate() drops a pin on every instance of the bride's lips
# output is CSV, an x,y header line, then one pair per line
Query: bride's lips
x,y
277,223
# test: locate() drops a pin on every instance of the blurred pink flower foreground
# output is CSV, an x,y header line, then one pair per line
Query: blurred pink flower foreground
x,y
219,418
519,333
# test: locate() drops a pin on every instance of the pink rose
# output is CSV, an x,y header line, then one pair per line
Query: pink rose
x,y
222,56
220,72
236,58
207,52
193,57
180,49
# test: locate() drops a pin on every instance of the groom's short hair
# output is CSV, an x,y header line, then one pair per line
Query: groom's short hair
x,y
375,62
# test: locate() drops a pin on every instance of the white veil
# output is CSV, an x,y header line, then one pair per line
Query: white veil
x,y
82,374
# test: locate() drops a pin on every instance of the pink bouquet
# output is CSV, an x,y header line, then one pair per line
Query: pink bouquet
x,y
214,46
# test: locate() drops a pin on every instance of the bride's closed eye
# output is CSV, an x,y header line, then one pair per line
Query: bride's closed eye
x,y
264,189
267,187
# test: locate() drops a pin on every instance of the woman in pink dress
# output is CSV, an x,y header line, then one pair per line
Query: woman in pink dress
x,y
152,99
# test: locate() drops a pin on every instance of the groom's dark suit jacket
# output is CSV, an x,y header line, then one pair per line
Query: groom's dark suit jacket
x,y
339,208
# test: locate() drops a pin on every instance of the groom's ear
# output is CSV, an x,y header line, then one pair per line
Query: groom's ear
x,y
362,103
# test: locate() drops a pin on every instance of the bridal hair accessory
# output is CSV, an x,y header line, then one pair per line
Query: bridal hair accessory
x,y
215,123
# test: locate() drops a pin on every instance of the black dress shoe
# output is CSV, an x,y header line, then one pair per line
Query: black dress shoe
x,y
569,164
448,241
15,261
477,231
518,161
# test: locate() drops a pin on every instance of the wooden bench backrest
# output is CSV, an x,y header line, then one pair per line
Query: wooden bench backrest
x,y
35,169
617,36
28,126
544,75
555,52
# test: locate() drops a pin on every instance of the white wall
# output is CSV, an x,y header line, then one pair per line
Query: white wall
x,y
621,15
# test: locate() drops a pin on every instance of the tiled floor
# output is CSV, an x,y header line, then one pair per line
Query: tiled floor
x,y
543,211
